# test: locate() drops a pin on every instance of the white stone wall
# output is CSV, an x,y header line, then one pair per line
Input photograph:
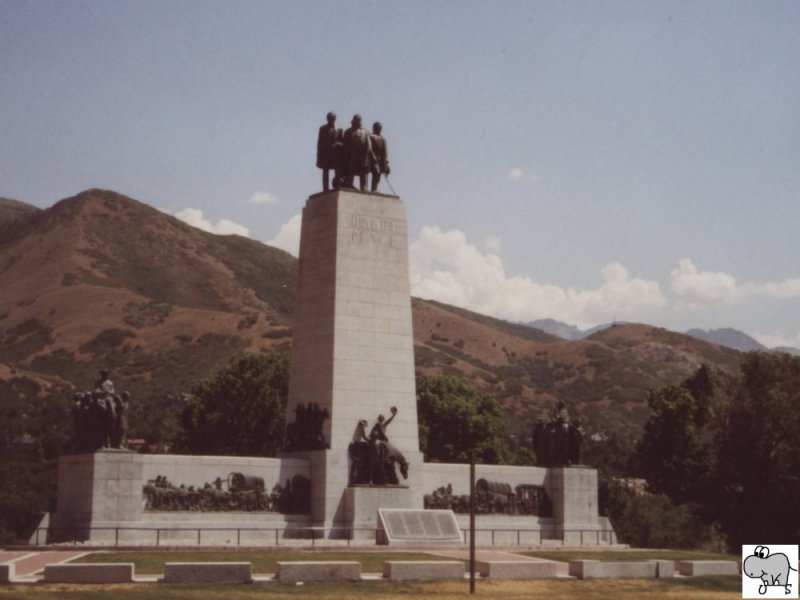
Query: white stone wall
x,y
199,470
105,490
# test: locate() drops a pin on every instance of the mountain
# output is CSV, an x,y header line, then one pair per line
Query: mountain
x,y
100,280
558,329
788,350
566,331
14,210
730,338
604,378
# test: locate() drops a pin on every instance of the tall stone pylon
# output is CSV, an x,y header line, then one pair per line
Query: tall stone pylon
x,y
353,348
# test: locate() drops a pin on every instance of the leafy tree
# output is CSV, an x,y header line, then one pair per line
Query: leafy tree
x,y
655,521
673,453
611,453
455,418
238,411
758,453
27,489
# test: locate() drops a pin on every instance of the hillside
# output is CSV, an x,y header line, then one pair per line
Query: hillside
x,y
102,280
730,338
12,211
603,378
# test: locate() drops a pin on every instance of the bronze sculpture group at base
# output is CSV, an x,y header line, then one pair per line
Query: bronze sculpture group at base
x,y
494,498
305,432
239,493
100,416
350,154
559,442
373,458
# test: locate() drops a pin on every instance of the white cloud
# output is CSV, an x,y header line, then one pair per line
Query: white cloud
x,y
195,218
776,339
288,237
701,289
492,244
515,174
704,289
520,175
446,267
789,288
262,198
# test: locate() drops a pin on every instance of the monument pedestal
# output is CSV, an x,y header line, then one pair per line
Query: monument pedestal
x,y
573,492
353,346
361,504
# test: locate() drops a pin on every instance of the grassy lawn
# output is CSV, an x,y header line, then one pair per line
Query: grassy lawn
x,y
264,562
631,555
699,588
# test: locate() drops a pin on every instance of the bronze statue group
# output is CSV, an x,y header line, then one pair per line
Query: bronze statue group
x,y
350,154
493,497
100,416
305,433
239,493
559,442
373,458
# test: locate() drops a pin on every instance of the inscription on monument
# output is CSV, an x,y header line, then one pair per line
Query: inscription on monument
x,y
420,525
381,231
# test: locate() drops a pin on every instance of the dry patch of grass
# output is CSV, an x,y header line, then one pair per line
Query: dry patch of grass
x,y
699,588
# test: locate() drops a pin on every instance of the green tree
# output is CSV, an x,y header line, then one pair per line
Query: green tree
x,y
655,521
27,489
673,453
455,418
240,410
757,493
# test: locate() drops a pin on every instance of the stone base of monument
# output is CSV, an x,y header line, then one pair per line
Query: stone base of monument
x,y
575,509
511,530
102,497
362,502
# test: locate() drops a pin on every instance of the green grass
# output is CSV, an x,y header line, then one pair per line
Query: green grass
x,y
264,562
695,588
630,555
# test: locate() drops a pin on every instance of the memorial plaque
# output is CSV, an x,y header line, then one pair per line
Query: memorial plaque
x,y
405,526
397,523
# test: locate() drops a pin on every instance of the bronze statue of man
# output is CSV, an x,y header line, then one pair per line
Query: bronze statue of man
x,y
357,153
329,144
103,383
379,163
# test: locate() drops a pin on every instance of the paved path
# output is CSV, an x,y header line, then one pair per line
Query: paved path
x,y
9,556
29,563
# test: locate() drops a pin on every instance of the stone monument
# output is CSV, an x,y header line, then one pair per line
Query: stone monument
x,y
352,442
353,351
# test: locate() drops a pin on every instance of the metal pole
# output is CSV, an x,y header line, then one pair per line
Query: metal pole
x,y
472,522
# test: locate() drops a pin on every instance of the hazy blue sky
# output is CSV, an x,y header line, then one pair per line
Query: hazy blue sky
x,y
585,161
